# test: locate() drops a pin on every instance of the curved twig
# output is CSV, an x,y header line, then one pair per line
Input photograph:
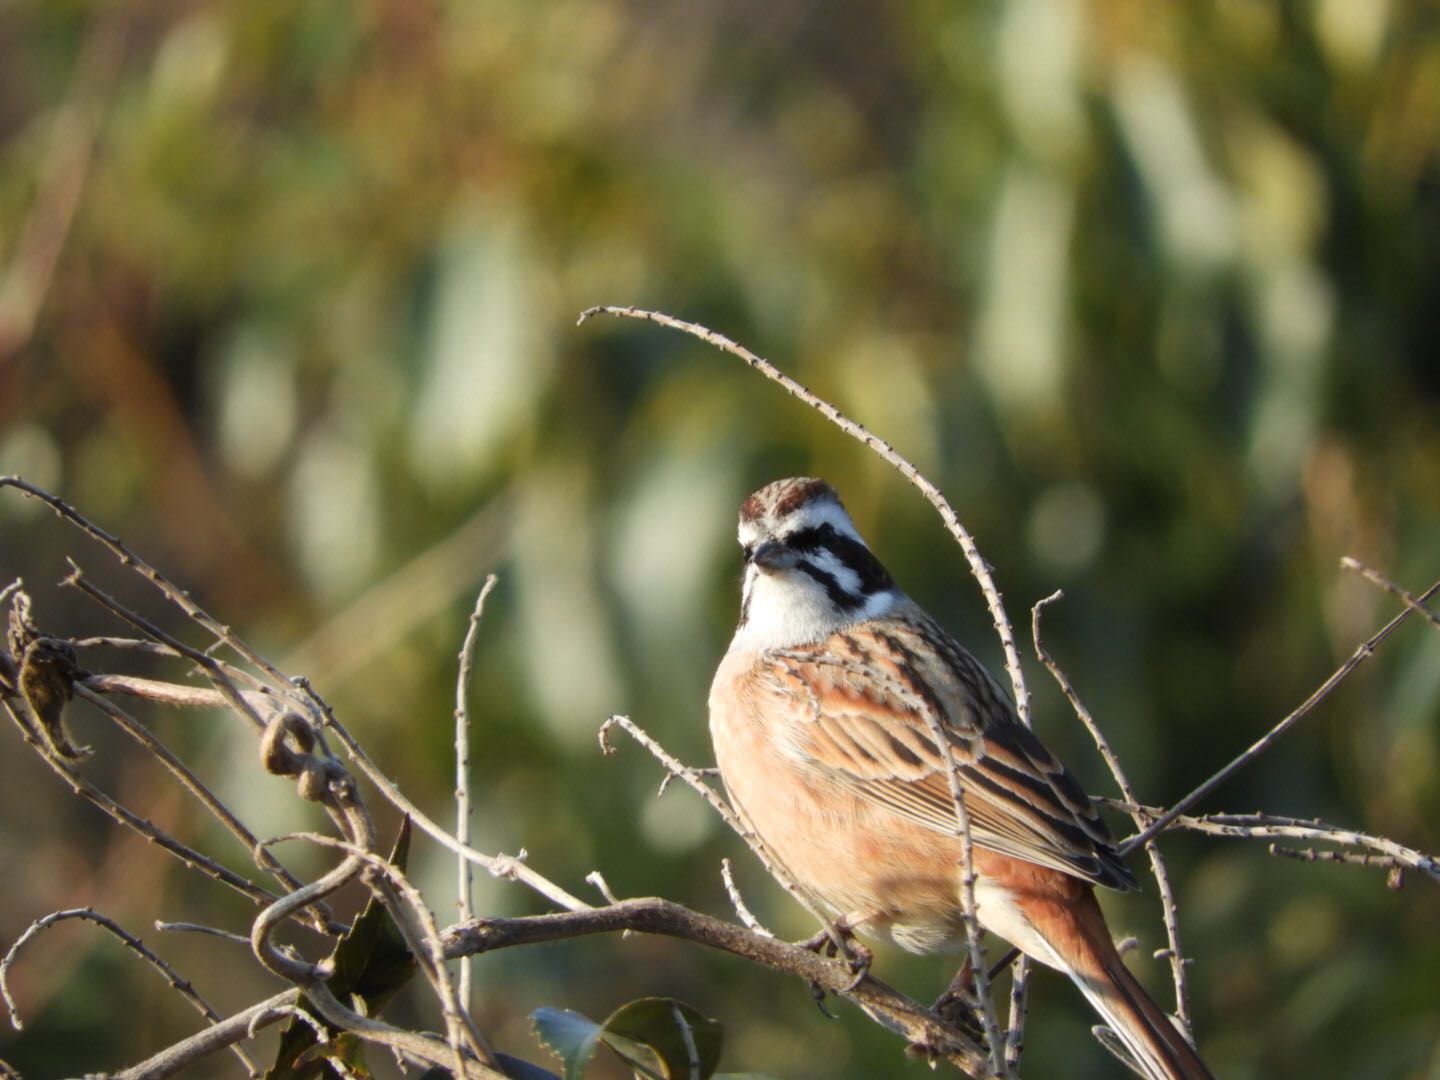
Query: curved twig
x,y
174,978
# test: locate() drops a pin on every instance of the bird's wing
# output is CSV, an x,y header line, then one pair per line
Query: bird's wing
x,y
870,699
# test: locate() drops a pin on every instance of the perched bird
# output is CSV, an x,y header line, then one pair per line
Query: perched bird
x,y
822,714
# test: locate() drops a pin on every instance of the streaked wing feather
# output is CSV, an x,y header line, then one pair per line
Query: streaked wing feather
x,y
875,692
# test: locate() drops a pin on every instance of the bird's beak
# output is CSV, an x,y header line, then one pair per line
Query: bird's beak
x,y
773,555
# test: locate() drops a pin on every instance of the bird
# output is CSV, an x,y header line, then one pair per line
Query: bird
x,y
824,712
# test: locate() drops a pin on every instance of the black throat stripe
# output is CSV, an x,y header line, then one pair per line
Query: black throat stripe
x,y
845,601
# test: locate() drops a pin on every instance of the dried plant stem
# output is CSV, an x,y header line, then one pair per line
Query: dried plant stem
x,y
464,881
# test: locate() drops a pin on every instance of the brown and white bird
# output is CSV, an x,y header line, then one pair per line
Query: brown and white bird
x,y
821,716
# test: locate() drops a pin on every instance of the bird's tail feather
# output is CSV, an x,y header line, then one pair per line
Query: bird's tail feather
x,y
1153,1042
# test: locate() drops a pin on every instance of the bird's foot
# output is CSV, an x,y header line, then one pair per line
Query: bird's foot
x,y
841,934
959,1008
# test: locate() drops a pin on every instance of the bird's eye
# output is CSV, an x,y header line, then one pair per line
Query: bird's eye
x,y
749,550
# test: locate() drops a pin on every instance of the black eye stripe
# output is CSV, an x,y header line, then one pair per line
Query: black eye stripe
x,y
850,552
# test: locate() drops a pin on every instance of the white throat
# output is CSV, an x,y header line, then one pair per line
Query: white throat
x,y
789,608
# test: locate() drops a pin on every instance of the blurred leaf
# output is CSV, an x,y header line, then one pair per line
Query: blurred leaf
x,y
570,1035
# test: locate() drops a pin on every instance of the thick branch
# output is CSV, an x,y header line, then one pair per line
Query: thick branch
x,y
654,915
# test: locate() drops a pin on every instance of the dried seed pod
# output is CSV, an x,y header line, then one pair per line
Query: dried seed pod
x,y
47,678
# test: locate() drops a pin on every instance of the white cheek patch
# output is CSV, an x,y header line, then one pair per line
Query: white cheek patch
x,y
877,605
826,562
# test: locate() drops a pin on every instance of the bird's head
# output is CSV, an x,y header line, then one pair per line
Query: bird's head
x,y
808,573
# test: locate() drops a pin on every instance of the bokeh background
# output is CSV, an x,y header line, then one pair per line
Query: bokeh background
x,y
288,296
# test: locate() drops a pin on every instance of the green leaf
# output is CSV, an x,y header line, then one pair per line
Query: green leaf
x,y
570,1035
659,1038
371,962
665,1038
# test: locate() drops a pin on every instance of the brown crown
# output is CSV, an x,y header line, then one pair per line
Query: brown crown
x,y
782,497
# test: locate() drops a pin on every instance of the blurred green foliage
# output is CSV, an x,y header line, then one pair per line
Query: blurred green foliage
x,y
287,299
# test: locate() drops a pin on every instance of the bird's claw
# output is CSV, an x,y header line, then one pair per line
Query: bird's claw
x,y
858,956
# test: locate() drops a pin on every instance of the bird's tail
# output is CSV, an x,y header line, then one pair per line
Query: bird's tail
x,y
1151,1039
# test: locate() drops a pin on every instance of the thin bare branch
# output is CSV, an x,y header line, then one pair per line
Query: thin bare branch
x,y
1414,603
738,901
177,982
465,883
233,1029
979,971
192,783
200,928
169,693
1168,910
1271,826
1362,653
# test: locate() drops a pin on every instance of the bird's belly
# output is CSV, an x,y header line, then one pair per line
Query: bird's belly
x,y
853,857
